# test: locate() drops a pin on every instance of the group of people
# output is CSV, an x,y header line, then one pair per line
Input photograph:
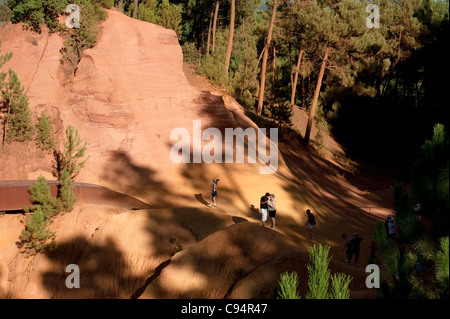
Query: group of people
x,y
267,207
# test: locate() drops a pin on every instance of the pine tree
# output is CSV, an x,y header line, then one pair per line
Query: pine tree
x,y
17,124
74,152
41,197
430,179
319,274
66,198
45,139
36,237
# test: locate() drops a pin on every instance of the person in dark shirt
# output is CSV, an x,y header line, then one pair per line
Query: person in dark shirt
x,y
272,209
310,223
346,247
263,206
355,246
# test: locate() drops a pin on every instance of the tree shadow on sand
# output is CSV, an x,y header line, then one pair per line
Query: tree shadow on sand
x,y
137,180
103,269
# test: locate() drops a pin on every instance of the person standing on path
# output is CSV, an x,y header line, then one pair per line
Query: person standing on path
x,y
310,223
263,206
214,186
272,210
355,246
346,247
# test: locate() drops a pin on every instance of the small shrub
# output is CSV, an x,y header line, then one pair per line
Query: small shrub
x,y
5,15
288,285
191,54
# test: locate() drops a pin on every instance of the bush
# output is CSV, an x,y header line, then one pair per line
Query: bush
x,y
191,54
5,15
213,65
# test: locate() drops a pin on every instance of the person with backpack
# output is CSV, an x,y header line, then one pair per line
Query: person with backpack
x,y
310,223
214,186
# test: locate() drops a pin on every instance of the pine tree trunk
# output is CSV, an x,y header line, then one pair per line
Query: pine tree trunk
x,y
294,85
274,64
230,36
5,127
316,97
209,31
135,9
216,12
264,62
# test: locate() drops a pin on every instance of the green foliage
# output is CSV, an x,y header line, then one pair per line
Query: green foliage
x,y
430,179
74,152
213,65
170,16
108,4
438,287
66,197
282,114
243,74
191,54
319,274
84,37
35,13
148,11
41,198
37,237
5,15
17,124
165,14
340,286
288,284
321,284
44,129
442,265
